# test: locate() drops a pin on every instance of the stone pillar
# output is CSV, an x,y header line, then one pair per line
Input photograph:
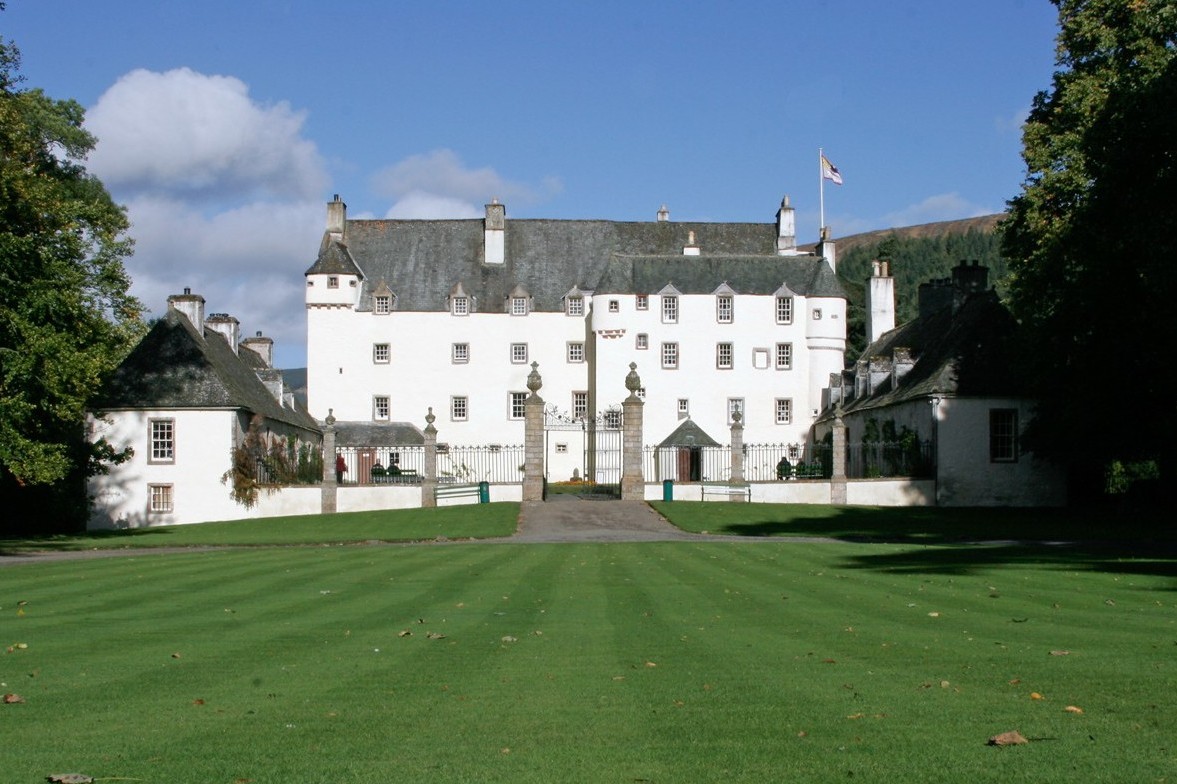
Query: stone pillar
x,y
838,456
737,477
633,484
429,478
533,438
328,499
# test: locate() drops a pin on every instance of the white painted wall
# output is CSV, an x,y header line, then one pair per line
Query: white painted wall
x,y
203,446
966,477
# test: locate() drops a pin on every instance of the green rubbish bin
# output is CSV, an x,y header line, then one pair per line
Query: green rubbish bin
x,y
667,490
484,492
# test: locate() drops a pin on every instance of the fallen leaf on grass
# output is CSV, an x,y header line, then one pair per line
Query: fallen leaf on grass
x,y
1060,653
435,635
1011,738
13,699
70,778
176,655
651,664
1036,696
509,638
198,702
404,633
1073,709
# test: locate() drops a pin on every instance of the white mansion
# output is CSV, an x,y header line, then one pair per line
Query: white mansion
x,y
408,315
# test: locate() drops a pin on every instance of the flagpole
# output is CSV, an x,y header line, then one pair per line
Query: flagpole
x,y
821,191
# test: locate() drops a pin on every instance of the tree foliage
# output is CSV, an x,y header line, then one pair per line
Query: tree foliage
x,y
1090,239
914,260
66,317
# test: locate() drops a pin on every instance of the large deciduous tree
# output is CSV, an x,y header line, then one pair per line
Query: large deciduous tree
x,y
66,317
1092,237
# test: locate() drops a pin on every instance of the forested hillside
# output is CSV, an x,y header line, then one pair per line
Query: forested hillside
x,y
917,254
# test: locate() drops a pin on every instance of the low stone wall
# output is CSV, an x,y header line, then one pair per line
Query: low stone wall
x,y
859,492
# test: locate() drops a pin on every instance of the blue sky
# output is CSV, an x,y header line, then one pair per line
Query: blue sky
x,y
225,126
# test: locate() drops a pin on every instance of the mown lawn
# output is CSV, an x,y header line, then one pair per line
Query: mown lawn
x,y
463,521
654,662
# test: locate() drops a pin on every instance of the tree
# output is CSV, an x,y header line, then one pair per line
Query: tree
x,y
1091,239
66,317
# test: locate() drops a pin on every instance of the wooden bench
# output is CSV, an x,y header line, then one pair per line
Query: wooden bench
x,y
457,491
723,488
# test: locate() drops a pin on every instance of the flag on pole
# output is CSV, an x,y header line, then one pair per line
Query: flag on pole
x,y
830,172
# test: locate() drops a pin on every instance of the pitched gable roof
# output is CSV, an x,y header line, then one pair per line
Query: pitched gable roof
x,y
966,353
175,366
421,260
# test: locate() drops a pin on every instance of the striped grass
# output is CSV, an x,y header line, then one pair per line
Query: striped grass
x,y
464,521
650,662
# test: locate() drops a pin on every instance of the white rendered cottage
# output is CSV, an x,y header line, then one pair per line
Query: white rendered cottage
x,y
948,377
408,315
183,399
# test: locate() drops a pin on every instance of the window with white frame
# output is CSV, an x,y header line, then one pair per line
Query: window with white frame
x,y
1003,435
784,310
460,306
642,301
160,498
735,405
518,353
460,353
684,407
383,304
163,441
380,408
381,353
459,408
517,405
784,356
575,306
642,342
518,306
614,306
783,408
576,352
670,355
669,309
641,393
579,405
724,308
723,356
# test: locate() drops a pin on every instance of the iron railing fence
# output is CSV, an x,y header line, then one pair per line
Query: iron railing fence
x,y
405,464
762,462
503,464
767,462
288,463
882,459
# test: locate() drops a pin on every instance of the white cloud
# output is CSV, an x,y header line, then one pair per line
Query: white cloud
x,y
224,196
941,207
438,185
419,205
186,133
247,262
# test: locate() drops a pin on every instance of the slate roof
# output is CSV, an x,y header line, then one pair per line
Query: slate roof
x,y
969,353
421,260
174,366
369,434
688,434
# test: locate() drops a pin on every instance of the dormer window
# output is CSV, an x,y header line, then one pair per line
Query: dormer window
x,y
575,305
382,303
460,306
784,310
724,308
519,306
669,309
